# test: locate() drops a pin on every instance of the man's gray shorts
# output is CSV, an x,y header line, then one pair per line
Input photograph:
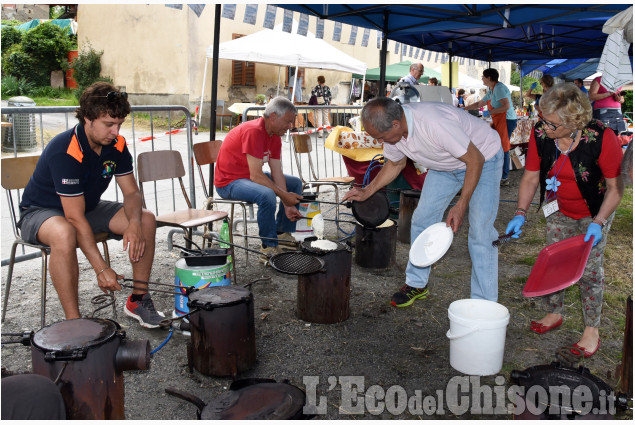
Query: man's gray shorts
x,y
32,218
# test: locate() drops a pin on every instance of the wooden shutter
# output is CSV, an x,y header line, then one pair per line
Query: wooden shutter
x,y
243,73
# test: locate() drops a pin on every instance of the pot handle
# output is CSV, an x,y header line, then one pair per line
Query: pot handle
x,y
200,404
469,331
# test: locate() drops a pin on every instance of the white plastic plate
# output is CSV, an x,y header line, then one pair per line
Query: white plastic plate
x,y
431,245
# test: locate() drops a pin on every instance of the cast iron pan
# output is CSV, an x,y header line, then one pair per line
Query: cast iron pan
x,y
369,213
373,211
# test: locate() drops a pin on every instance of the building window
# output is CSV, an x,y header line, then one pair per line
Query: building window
x,y
243,73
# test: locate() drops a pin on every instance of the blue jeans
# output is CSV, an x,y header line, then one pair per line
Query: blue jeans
x,y
438,190
269,224
511,125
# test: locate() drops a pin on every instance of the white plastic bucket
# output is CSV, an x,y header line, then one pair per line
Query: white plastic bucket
x,y
477,336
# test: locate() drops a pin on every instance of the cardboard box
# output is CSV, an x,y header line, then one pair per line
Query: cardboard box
x,y
517,159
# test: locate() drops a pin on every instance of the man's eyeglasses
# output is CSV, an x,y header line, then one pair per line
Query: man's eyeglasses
x,y
551,126
113,95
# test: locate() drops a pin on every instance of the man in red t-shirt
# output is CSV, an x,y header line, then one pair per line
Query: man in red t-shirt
x,y
239,173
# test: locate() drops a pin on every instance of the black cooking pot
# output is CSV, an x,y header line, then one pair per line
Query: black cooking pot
x,y
250,399
556,378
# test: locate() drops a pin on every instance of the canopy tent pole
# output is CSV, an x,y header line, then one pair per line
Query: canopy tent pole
x,y
350,93
382,57
295,81
363,85
520,69
450,66
450,71
278,88
214,94
200,108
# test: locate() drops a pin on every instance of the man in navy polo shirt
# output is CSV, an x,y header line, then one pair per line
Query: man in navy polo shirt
x,y
61,205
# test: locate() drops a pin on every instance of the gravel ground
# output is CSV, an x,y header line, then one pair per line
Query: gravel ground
x,y
378,345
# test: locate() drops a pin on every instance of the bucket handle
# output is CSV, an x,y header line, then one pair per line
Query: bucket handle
x,y
469,331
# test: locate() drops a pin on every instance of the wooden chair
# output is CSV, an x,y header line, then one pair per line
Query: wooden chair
x,y
302,146
16,173
206,153
167,164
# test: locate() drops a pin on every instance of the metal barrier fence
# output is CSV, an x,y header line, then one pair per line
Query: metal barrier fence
x,y
52,120
327,163
132,141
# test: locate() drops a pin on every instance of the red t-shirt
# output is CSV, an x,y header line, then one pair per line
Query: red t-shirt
x,y
570,201
248,138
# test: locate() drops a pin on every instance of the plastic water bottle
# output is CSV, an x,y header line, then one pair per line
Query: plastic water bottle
x,y
224,236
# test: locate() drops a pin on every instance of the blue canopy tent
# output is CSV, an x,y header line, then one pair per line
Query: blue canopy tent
x,y
500,32
492,32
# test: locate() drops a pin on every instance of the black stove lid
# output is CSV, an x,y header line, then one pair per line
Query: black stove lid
x,y
218,296
75,333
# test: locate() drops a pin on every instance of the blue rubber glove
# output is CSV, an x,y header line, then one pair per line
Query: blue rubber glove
x,y
515,224
533,86
594,230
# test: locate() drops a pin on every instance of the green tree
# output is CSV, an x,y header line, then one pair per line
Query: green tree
x,y
10,36
17,64
48,46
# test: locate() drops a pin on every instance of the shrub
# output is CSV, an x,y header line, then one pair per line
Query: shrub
x,y
48,91
10,37
12,86
87,68
48,46
17,63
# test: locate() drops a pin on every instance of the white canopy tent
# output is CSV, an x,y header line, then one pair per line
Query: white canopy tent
x,y
282,48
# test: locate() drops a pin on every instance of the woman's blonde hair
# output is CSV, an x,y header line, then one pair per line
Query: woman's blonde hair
x,y
570,103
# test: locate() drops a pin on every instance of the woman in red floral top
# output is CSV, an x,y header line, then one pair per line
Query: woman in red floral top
x,y
576,163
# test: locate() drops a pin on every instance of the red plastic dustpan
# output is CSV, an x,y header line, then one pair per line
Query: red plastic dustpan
x,y
558,266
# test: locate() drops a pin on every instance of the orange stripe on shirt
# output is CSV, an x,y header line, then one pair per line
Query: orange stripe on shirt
x,y
75,150
121,142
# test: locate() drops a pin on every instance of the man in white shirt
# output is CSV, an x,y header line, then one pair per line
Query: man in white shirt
x,y
461,152
416,71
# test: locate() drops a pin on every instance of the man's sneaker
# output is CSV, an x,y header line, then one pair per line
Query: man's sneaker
x,y
287,242
505,182
144,312
268,252
407,295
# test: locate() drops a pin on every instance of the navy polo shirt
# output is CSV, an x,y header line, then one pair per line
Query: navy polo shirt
x,y
69,167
